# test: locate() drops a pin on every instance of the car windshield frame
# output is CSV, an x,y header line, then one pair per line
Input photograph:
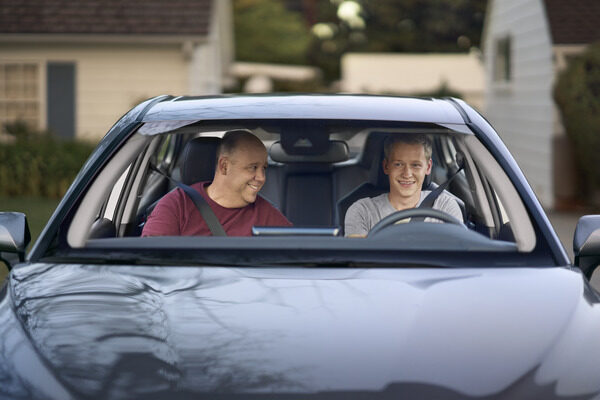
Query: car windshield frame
x,y
333,250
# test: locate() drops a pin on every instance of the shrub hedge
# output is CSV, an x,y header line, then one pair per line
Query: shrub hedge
x,y
577,94
39,164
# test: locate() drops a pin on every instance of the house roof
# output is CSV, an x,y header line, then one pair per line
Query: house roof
x,y
140,17
573,21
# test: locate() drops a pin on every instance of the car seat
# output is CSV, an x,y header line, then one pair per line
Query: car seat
x,y
199,159
197,163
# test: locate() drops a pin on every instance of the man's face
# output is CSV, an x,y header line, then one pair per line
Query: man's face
x,y
245,175
406,168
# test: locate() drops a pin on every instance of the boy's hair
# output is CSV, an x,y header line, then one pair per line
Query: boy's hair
x,y
408,138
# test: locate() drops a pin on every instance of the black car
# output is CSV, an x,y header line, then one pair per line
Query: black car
x,y
489,307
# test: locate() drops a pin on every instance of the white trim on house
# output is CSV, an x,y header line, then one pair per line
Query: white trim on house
x,y
208,60
91,38
296,73
562,52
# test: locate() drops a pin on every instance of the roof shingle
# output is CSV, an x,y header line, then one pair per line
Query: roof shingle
x,y
574,21
167,17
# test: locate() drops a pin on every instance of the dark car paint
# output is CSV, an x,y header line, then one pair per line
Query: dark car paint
x,y
107,331
133,332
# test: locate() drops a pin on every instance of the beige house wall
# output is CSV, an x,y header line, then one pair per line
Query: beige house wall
x,y
410,74
110,79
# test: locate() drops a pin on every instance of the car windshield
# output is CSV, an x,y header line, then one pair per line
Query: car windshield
x,y
317,170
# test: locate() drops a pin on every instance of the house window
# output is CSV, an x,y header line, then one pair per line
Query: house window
x,y
20,93
502,60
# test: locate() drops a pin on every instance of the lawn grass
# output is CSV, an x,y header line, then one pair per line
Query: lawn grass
x,y
37,210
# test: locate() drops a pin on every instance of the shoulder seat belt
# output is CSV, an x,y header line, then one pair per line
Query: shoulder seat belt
x,y
434,194
216,229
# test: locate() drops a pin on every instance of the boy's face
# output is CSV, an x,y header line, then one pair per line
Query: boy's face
x,y
406,169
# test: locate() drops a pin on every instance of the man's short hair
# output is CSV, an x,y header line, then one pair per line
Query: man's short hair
x,y
407,138
232,139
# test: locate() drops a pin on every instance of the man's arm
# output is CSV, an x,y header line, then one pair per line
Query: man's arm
x,y
449,205
355,222
164,219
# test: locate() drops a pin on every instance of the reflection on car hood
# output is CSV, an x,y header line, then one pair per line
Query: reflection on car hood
x,y
128,332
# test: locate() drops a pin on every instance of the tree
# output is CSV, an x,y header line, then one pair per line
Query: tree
x,y
265,31
395,26
423,25
577,94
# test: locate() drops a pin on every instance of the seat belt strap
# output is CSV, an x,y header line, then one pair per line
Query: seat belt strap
x,y
434,194
216,229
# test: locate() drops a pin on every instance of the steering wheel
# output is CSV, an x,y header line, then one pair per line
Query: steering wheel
x,y
411,213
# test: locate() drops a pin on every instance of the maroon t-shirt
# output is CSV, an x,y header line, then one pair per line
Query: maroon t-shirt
x,y
177,215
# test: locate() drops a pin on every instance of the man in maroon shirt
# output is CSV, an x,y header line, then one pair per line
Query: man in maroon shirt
x,y
232,195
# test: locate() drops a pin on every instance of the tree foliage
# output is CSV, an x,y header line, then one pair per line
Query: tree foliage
x,y
413,26
265,31
577,94
39,164
423,25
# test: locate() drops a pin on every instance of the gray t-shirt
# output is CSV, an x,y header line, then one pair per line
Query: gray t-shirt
x,y
365,213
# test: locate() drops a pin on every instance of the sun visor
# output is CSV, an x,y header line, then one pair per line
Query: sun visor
x,y
336,151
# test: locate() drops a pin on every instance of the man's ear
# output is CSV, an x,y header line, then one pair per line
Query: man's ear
x,y
429,165
386,169
222,165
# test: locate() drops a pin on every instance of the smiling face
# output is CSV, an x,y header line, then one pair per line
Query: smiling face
x,y
243,174
406,167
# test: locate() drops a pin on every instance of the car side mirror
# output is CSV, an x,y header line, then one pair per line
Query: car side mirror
x,y
586,244
14,235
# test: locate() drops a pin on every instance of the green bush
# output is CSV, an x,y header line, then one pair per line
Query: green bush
x,y
38,164
577,94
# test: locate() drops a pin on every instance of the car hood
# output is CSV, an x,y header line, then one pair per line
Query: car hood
x,y
125,332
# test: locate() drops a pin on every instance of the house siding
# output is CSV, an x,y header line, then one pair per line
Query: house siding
x,y
111,78
522,109
410,74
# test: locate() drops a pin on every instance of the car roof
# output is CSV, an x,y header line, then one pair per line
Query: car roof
x,y
306,106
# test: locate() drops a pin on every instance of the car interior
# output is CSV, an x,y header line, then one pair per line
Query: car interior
x,y
317,169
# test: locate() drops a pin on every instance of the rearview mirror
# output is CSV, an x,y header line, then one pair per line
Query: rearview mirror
x,y
14,234
586,244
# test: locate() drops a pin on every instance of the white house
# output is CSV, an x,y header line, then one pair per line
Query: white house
x,y
526,43
410,74
74,67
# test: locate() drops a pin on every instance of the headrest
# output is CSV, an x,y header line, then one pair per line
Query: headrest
x,y
199,160
372,148
376,175
336,152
